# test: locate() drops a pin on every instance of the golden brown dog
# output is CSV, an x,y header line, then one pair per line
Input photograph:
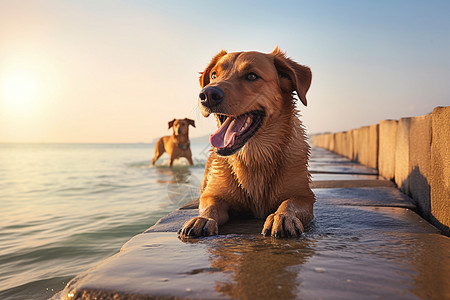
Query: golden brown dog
x,y
259,161
176,145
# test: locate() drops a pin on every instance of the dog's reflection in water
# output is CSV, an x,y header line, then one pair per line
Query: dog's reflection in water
x,y
258,267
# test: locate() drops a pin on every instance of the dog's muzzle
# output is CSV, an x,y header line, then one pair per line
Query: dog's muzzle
x,y
211,96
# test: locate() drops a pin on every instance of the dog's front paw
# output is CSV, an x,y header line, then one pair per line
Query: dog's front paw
x,y
199,226
282,225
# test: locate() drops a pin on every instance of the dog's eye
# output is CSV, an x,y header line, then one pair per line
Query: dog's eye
x,y
252,76
213,75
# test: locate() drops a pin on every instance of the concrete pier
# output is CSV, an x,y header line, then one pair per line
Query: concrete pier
x,y
366,242
412,152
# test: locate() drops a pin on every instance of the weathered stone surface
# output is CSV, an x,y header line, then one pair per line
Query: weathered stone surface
x,y
418,180
316,140
339,140
340,177
366,145
354,230
344,144
345,167
329,141
360,136
388,141
350,183
373,146
363,193
173,221
349,151
319,140
417,172
364,196
321,155
405,255
402,155
440,166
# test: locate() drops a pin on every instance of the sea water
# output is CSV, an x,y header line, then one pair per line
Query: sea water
x,y
66,207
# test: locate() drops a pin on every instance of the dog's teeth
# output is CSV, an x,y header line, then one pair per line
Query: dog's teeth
x,y
246,124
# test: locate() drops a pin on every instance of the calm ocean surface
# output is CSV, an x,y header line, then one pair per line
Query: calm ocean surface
x,y
66,207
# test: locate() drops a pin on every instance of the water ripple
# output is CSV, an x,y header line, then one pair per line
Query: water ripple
x,y
67,207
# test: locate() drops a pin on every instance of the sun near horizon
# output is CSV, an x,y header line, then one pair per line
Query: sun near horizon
x,y
88,72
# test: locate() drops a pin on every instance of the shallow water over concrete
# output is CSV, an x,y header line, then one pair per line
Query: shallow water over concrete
x,y
364,243
348,252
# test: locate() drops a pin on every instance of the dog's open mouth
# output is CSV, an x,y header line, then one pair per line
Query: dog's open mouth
x,y
235,131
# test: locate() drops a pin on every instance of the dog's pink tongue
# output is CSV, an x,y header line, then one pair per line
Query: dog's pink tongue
x,y
225,135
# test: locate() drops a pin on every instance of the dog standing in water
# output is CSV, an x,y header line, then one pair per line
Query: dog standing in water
x,y
259,161
176,145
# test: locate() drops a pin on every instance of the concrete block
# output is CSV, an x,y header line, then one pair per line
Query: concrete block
x,y
402,169
349,151
373,146
440,167
319,140
315,140
331,142
326,141
344,143
366,145
386,157
360,138
340,143
418,185
357,141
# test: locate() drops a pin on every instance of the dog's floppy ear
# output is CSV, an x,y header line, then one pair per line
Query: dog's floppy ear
x,y
171,123
298,75
205,76
190,122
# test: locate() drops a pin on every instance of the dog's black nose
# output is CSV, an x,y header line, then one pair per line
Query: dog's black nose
x,y
211,96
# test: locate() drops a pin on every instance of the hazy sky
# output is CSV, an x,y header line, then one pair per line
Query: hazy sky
x,y
118,71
